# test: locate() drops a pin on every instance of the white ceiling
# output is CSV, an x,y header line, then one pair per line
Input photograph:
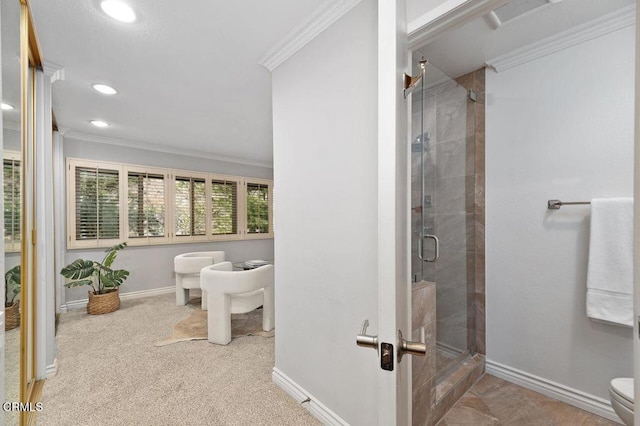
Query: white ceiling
x,y
468,47
11,62
186,72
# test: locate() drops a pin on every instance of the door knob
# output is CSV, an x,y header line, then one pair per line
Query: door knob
x,y
410,347
365,340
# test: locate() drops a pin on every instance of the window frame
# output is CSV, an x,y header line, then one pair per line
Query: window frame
x,y
175,173
170,176
142,241
269,184
239,234
72,165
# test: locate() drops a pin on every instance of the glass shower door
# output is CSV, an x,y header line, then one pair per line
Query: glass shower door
x,y
443,190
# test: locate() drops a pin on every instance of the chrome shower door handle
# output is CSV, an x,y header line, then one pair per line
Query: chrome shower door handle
x,y
436,253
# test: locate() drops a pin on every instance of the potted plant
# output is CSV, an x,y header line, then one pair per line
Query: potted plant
x,y
11,291
104,281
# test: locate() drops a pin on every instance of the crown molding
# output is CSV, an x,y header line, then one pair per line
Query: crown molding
x,y
63,131
448,15
53,71
165,149
320,20
608,23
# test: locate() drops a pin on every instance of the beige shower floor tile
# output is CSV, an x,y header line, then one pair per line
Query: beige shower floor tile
x,y
493,401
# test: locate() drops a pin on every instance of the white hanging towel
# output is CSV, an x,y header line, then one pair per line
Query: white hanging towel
x,y
610,271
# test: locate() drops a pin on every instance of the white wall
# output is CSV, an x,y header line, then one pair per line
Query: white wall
x,y
152,267
558,127
11,139
325,201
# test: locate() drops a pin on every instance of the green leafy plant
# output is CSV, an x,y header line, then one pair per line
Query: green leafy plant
x,y
98,275
11,281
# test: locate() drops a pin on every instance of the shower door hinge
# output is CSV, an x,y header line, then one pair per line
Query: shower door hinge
x,y
473,95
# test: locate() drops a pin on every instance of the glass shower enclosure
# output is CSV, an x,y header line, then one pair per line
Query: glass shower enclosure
x,y
442,210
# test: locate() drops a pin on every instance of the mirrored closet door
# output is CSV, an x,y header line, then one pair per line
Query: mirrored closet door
x,y
12,199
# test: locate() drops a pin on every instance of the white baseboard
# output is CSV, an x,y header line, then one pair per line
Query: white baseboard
x,y
80,304
582,400
52,369
315,407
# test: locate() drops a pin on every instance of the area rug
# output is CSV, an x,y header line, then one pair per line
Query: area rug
x,y
194,327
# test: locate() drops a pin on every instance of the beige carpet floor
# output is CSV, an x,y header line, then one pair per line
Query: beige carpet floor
x,y
110,373
12,373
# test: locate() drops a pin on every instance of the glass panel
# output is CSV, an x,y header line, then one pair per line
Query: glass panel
x,y
442,165
12,187
257,208
97,204
108,204
190,206
199,207
224,207
146,205
183,206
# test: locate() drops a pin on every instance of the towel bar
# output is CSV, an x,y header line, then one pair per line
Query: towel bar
x,y
556,204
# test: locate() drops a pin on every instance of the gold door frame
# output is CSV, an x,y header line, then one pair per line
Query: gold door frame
x,y
30,61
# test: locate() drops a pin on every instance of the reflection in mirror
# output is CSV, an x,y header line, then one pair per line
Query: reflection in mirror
x,y
12,197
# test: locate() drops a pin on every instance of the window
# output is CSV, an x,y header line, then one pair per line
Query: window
x,y
109,203
259,208
224,207
190,206
146,203
95,198
12,201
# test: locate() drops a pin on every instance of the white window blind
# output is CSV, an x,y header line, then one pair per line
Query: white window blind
x,y
190,206
12,204
146,205
258,208
97,204
224,207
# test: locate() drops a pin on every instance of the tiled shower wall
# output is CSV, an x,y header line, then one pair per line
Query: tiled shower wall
x,y
454,165
476,266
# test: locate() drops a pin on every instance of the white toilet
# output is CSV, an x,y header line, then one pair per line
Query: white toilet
x,y
621,394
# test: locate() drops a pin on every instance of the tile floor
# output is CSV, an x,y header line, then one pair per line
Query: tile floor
x,y
493,401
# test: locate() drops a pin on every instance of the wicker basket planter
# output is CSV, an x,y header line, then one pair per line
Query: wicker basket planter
x,y
12,315
103,303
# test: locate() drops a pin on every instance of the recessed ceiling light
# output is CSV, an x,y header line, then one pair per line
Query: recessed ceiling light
x,y
118,10
99,123
104,89
6,107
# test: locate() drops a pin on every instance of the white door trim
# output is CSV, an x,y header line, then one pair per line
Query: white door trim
x,y
394,387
